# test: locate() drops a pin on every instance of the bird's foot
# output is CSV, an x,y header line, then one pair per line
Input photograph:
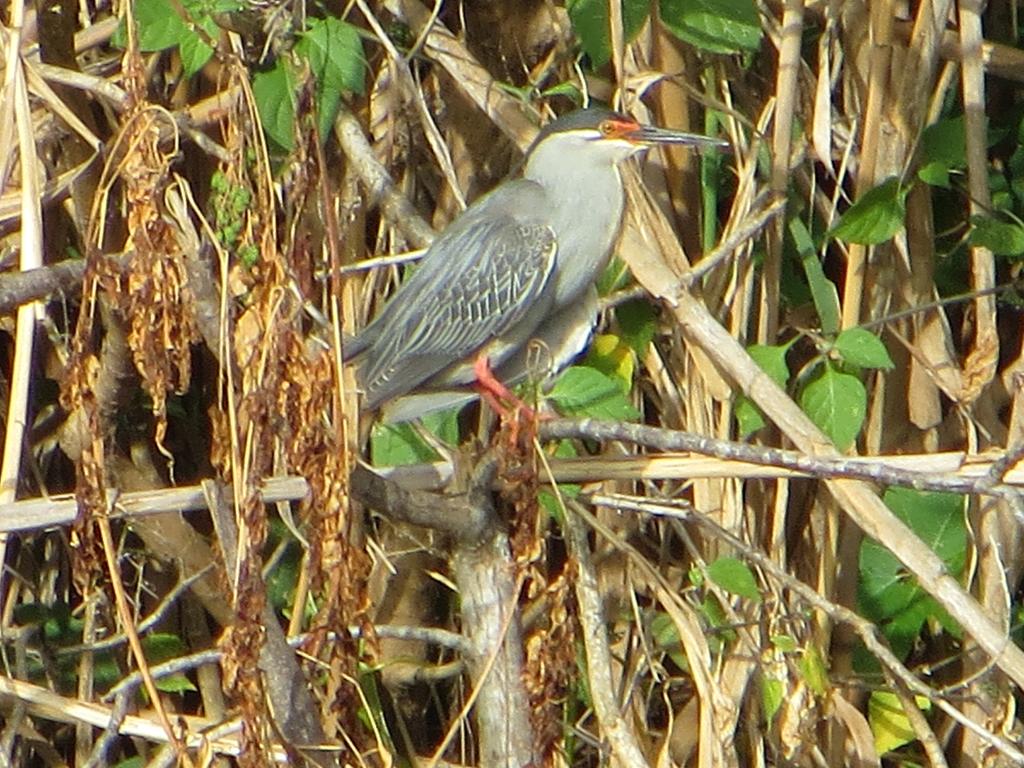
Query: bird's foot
x,y
500,398
510,408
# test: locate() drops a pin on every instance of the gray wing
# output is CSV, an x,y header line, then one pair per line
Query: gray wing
x,y
564,335
484,278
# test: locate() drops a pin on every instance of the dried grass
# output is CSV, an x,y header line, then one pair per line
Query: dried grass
x,y
177,363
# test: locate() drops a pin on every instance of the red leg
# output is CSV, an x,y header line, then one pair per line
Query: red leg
x,y
494,392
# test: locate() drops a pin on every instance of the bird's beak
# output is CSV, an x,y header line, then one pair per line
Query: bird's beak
x,y
648,134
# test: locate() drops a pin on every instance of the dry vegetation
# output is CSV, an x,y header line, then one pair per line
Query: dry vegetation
x,y
177,286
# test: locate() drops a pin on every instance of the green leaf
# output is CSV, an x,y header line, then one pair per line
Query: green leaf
x,y
784,643
194,53
162,646
823,290
274,94
1015,165
934,174
713,189
614,358
564,450
717,26
590,22
1000,188
714,615
814,671
31,613
904,627
696,576
862,348
1003,238
889,722
886,593
837,403
394,445
666,638
570,90
176,683
159,25
638,321
885,589
734,576
772,695
875,217
106,670
615,276
749,418
326,112
58,625
224,6
937,518
584,391
772,360
283,579
335,55
943,143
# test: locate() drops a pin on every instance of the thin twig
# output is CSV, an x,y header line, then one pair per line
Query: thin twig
x,y
813,466
435,636
42,514
154,617
614,726
200,732
101,749
124,613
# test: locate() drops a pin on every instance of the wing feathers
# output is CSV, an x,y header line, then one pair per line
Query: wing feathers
x,y
482,281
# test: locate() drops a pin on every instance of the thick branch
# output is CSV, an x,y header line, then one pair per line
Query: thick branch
x,y
488,595
451,515
17,288
374,176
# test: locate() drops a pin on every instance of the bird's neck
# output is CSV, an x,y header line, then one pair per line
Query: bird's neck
x,y
585,213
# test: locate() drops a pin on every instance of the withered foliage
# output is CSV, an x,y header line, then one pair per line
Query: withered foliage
x,y
215,284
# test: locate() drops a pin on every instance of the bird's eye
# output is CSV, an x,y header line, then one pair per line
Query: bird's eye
x,y
607,128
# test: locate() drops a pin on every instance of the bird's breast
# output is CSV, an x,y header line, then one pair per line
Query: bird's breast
x,y
586,219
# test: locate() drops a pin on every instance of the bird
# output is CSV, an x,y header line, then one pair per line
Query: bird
x,y
517,266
